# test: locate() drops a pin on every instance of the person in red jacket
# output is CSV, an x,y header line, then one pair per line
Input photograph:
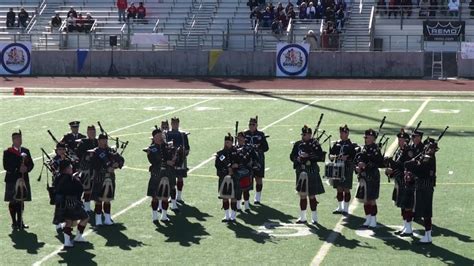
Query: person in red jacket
x,y
122,6
141,11
132,12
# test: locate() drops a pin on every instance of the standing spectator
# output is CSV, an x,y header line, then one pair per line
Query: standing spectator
x,y
302,14
424,7
11,16
311,11
267,18
71,23
471,7
312,40
443,7
339,19
256,16
141,11
88,22
340,4
330,14
283,19
290,14
23,18
319,11
121,6
56,22
433,7
252,4
132,12
80,23
279,8
406,7
453,7
381,7
73,12
288,6
393,7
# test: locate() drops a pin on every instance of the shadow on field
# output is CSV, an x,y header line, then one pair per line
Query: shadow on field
x,y
183,231
26,241
247,232
262,213
77,255
116,238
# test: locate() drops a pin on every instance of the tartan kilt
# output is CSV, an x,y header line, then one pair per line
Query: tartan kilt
x,y
75,213
155,178
10,190
423,206
58,216
372,187
349,177
235,181
260,172
182,171
97,184
315,184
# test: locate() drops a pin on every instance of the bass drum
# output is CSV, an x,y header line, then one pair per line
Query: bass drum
x,y
245,178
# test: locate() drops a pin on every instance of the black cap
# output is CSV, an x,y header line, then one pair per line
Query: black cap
x,y
306,130
417,133
431,143
165,124
240,134
155,132
102,136
16,134
228,137
253,120
403,134
175,119
344,128
370,132
74,124
92,127
60,145
64,164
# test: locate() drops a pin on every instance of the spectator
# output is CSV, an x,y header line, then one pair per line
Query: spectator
x,y
252,4
141,12
393,7
453,7
23,18
80,23
261,4
381,7
277,27
121,6
300,2
73,12
88,22
279,8
132,12
406,7
302,14
319,11
267,18
312,40
272,8
339,20
56,22
290,14
256,16
433,7
71,23
311,11
283,19
330,15
471,7
443,7
288,6
340,4
11,16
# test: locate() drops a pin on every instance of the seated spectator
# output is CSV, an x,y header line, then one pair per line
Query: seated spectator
x,y
141,12
311,11
267,18
302,14
73,12
381,7
424,8
256,17
56,22
279,8
339,19
88,22
11,17
132,12
23,18
329,14
453,7
252,4
319,11
71,23
290,14
471,7
288,6
312,40
80,23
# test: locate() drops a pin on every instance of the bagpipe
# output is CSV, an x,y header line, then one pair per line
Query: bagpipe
x,y
362,157
70,154
52,168
120,145
21,190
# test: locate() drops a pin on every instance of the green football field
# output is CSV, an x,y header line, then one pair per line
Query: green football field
x,y
268,235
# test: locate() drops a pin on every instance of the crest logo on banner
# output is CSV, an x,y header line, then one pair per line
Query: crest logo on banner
x,y
292,60
15,58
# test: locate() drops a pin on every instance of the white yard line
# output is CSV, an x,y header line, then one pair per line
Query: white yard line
x,y
324,250
140,201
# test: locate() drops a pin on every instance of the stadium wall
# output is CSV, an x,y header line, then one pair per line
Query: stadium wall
x,y
226,63
465,67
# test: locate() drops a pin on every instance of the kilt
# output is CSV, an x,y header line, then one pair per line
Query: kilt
x,y
235,181
182,170
97,185
58,216
10,190
348,174
260,172
155,179
75,213
315,184
372,185
423,206
403,196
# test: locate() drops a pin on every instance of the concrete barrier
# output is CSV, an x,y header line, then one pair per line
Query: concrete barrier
x,y
229,63
465,67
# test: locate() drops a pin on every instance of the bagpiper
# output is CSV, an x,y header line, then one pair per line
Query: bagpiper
x,y
343,151
259,142
305,155
55,164
104,162
71,139
228,183
85,166
181,143
17,163
367,163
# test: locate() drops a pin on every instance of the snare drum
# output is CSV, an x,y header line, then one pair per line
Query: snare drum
x,y
334,170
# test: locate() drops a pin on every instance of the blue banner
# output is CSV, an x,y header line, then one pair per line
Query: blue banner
x,y
81,58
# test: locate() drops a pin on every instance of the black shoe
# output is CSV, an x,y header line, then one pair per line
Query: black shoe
x,y
167,221
14,226
180,201
345,213
405,234
176,211
248,211
156,222
257,203
337,212
224,220
23,226
239,211
301,222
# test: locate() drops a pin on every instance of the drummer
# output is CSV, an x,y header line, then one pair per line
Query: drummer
x,y
342,153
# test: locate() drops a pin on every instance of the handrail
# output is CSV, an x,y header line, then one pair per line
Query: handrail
x,y
155,28
63,25
361,5
255,30
94,25
34,19
372,28
123,27
321,28
289,30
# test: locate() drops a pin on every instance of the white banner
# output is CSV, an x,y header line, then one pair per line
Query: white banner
x,y
467,50
292,59
149,38
15,58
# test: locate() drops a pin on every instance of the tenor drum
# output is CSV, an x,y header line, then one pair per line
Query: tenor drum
x,y
334,170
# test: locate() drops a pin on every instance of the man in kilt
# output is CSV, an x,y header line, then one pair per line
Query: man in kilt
x,y
55,164
181,143
104,161
85,166
305,155
403,192
17,163
343,151
259,142
228,183
368,162
162,178
422,171
68,196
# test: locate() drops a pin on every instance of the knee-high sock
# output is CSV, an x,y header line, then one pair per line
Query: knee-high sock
x,y
180,185
164,204
259,187
347,196
233,205
428,224
246,195
81,228
154,204
225,204
367,209
107,207
98,208
68,230
339,196
374,210
173,193
409,215
303,204
313,204
12,210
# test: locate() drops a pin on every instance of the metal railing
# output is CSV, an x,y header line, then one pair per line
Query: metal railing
x,y
155,28
39,10
372,28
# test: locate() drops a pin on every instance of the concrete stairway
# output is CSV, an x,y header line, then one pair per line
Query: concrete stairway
x,y
356,33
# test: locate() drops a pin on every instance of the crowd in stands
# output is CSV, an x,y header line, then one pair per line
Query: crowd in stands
x,y
21,21
133,12
75,22
427,8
